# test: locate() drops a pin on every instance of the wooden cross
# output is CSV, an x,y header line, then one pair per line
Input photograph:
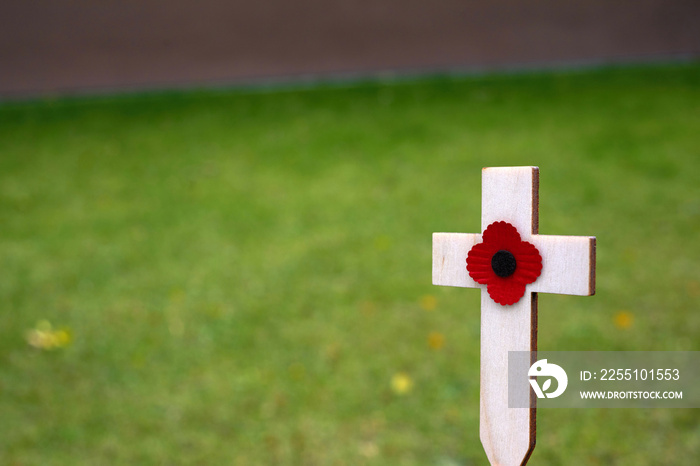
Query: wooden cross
x,y
511,194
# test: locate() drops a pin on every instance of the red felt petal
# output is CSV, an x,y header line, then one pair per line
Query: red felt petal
x,y
506,292
479,262
502,234
529,263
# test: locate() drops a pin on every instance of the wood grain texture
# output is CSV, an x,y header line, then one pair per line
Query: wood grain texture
x,y
450,259
511,194
568,262
508,435
568,265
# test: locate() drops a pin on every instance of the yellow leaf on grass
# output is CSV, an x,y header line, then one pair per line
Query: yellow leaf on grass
x,y
624,319
401,383
428,302
45,337
436,340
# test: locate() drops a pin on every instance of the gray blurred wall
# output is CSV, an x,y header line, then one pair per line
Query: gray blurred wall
x,y
54,46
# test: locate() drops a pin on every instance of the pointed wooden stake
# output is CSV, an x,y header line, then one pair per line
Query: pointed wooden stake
x,y
511,194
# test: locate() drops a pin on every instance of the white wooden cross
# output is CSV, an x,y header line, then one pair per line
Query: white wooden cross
x,y
511,194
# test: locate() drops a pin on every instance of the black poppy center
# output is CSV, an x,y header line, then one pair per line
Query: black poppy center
x,y
503,263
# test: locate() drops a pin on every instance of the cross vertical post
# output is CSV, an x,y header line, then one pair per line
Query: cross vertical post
x,y
510,201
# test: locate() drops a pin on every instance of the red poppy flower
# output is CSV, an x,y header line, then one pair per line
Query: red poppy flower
x,y
504,263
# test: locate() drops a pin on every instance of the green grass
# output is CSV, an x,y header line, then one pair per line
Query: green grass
x,y
242,272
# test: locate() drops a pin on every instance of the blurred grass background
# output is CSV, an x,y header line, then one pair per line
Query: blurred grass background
x,y
243,277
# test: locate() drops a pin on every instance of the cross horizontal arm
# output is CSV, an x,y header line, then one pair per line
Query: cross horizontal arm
x,y
568,262
568,265
450,259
